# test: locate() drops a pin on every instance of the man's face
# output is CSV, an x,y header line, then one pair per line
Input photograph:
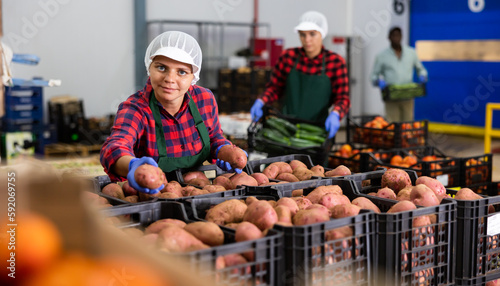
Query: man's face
x,y
395,37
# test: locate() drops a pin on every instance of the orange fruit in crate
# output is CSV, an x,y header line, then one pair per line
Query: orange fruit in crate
x,y
429,158
345,150
396,160
410,160
36,244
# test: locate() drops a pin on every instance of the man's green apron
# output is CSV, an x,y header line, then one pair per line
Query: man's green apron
x,y
169,164
307,97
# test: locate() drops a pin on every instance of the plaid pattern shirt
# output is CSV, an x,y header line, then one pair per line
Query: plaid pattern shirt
x,y
133,132
335,69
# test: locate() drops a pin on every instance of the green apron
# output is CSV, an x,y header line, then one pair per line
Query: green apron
x,y
307,97
169,164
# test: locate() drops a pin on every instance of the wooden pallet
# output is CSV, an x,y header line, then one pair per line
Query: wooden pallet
x,y
59,149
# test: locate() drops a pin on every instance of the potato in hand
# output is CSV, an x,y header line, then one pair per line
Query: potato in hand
x,y
148,176
234,155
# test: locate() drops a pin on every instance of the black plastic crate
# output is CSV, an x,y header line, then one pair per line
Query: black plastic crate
x,y
429,161
309,258
351,155
256,142
476,170
368,182
476,281
394,135
263,270
478,240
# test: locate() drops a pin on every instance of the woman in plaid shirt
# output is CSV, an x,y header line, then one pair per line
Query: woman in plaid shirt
x,y
311,80
171,123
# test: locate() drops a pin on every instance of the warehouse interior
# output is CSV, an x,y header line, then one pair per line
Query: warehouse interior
x,y
67,67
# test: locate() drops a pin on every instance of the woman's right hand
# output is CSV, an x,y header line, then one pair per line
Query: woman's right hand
x,y
132,167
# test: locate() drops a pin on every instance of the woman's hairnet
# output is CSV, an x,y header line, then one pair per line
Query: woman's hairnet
x,y
313,20
178,46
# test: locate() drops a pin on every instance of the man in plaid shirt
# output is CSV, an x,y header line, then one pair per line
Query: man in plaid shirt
x,y
171,123
311,80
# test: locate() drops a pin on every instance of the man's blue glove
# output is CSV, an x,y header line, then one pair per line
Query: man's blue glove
x,y
332,124
256,110
422,79
132,166
381,83
226,166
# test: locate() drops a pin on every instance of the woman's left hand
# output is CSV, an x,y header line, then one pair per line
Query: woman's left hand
x,y
332,124
226,166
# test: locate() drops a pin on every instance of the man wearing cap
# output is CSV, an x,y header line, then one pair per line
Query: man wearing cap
x,y
311,81
171,123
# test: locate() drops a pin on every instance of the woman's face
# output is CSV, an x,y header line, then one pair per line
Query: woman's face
x,y
170,80
311,42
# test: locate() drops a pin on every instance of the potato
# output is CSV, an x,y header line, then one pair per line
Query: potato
x,y
340,170
224,181
261,178
302,173
271,171
338,233
187,190
148,176
423,196
402,206
113,190
365,203
321,207
247,231
234,155
395,179
199,182
287,177
214,188
284,167
320,191
346,210
250,200
132,199
243,179
310,216
404,194
173,238
294,164
298,193
493,283
386,193
208,232
232,225
173,187
330,200
302,202
158,225
149,239
262,214
228,211
289,203
168,195
284,214
433,184
467,194
318,171
128,190
194,175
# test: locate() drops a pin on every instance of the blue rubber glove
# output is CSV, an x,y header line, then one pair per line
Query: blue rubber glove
x,y
422,79
332,124
132,166
226,166
381,83
256,110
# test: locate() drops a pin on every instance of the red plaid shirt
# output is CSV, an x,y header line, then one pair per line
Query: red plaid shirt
x,y
133,132
335,69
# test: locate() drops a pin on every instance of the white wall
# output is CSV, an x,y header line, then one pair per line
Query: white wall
x,y
89,45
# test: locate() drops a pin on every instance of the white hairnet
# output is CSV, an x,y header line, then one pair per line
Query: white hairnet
x,y
178,46
313,20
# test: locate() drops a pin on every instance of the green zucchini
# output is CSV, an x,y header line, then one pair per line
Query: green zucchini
x,y
275,136
274,124
288,125
302,143
311,128
310,137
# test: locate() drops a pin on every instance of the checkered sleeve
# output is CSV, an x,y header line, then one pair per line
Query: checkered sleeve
x,y
337,69
276,86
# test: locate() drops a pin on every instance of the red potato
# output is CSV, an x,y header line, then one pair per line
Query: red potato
x,y
404,194
128,190
143,197
402,206
493,283
250,200
187,190
298,193
302,202
194,175
113,190
340,170
214,188
207,232
284,167
148,176
318,171
294,164
435,185
223,180
247,231
331,200
302,173
338,233
469,195
173,187
289,203
175,239
271,171
284,214
132,199
287,177
261,178
232,225
365,203
226,212
315,195
197,192
272,203
305,217
243,179
395,179
199,182
346,210
422,195
158,225
234,155
386,193
321,207
168,195
262,214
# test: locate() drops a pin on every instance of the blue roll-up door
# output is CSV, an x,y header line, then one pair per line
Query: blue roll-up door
x,y
458,88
